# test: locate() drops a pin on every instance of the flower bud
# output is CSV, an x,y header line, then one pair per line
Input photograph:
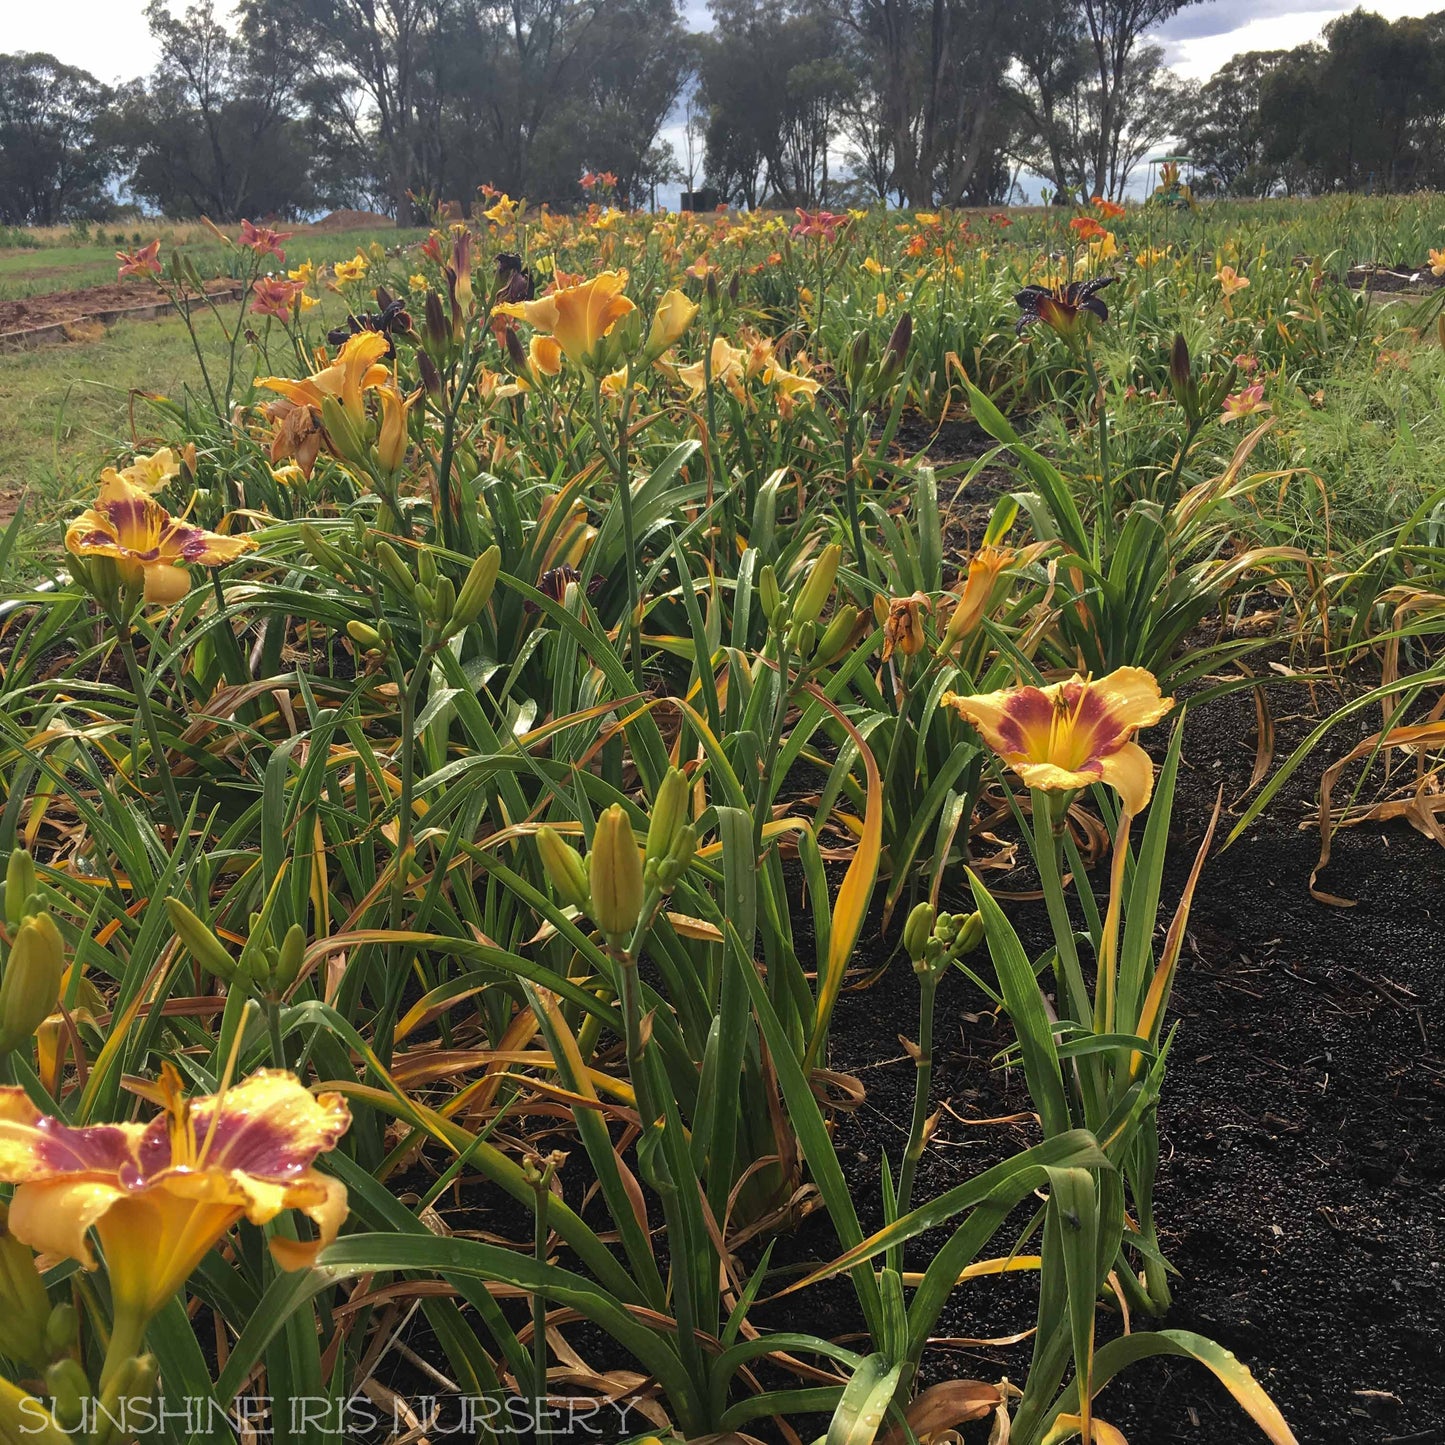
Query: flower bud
x,y
818,586
669,813
19,886
901,339
365,636
31,987
679,858
768,593
446,600
858,354
391,443
290,957
426,567
62,1330
321,551
517,353
346,438
615,875
918,930
565,868
477,588
674,314
68,1388
431,378
397,572
204,946
970,934
837,635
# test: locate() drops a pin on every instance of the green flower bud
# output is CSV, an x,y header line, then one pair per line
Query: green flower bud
x,y
289,958
837,635
345,435
918,930
62,1330
20,883
397,572
565,868
769,594
669,812
204,946
446,601
805,635
477,589
426,567
321,551
31,987
818,586
68,1387
970,934
679,858
615,875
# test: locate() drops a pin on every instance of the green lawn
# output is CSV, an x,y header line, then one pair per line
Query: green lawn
x,y
43,269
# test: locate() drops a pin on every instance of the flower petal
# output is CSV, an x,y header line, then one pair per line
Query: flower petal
x,y
54,1216
269,1126
1129,770
166,584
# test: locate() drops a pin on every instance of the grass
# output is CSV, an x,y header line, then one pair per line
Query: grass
x,y
38,271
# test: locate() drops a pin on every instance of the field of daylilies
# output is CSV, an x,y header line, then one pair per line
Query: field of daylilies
x,y
603,818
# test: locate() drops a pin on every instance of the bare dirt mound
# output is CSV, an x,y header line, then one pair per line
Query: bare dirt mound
x,y
353,221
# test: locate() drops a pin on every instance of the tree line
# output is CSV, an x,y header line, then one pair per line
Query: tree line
x,y
300,106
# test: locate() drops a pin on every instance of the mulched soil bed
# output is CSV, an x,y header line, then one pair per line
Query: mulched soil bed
x,y
32,313
1302,1175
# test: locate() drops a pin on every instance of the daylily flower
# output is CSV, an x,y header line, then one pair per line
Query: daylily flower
x,y
1062,307
1248,402
352,270
303,275
1437,262
145,262
1073,733
1110,210
822,225
544,354
903,623
355,371
263,240
726,363
151,473
149,547
392,438
160,1195
504,212
984,568
674,314
1230,281
275,297
1087,228
579,317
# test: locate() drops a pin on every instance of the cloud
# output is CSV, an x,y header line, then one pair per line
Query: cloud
x,y
1220,17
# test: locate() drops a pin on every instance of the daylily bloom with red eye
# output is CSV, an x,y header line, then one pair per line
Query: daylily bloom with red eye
x,y
145,262
160,1195
1062,307
263,240
580,317
1249,402
148,546
823,225
1073,733
275,297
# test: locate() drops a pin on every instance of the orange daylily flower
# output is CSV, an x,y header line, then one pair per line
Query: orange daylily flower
x,y
145,262
983,571
1070,734
903,624
356,370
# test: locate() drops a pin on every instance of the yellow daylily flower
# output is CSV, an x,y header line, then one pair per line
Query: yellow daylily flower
x,y
160,1195
356,370
151,473
1437,262
303,275
148,546
579,317
392,439
674,314
1073,733
792,384
504,211
544,354
352,270
725,363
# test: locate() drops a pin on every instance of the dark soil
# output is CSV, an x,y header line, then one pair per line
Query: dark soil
x,y
1302,1177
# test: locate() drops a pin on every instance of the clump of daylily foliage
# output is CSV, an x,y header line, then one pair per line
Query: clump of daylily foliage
x,y
475,746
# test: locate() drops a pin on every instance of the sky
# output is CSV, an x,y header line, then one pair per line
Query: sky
x,y
109,37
